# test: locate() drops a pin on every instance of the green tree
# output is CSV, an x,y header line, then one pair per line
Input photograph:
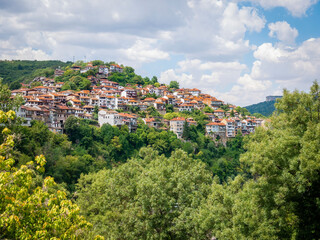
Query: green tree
x,y
97,62
186,131
29,207
154,80
208,109
174,84
280,201
6,102
169,108
150,197
243,111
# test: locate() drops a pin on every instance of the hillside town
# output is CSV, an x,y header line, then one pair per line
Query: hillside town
x,y
110,103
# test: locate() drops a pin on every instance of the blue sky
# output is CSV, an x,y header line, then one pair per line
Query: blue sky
x,y
238,51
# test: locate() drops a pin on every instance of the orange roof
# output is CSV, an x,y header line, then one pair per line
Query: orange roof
x,y
149,119
178,119
87,106
215,124
116,65
63,107
228,120
126,115
39,87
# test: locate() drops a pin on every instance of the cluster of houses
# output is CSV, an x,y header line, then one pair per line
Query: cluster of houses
x,y
108,101
219,128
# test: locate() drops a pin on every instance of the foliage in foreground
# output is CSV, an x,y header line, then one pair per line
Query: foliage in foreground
x,y
32,208
282,199
149,197
154,197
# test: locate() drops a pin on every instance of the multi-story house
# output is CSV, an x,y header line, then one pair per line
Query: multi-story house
x,y
159,105
129,93
230,127
94,101
177,126
215,129
152,122
171,99
88,109
103,70
78,112
213,102
219,113
62,113
58,72
248,126
195,92
133,103
109,117
117,119
186,107
116,68
149,101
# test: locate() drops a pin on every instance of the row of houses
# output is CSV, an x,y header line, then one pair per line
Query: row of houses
x,y
102,69
219,128
53,106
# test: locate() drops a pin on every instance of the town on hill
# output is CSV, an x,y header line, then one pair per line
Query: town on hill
x,y
96,91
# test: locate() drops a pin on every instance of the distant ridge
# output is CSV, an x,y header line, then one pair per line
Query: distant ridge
x,y
265,108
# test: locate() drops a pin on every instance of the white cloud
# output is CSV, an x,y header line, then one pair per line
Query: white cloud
x,y
26,54
208,29
170,75
215,30
246,91
237,21
277,68
290,68
211,77
295,7
283,32
144,51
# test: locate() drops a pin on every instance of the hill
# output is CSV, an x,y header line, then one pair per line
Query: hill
x,y
265,108
17,71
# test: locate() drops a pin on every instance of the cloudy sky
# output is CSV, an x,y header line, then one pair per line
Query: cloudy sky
x,y
239,51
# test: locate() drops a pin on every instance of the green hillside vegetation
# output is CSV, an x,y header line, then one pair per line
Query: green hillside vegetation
x,y
149,184
153,196
264,108
75,80
31,206
17,71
